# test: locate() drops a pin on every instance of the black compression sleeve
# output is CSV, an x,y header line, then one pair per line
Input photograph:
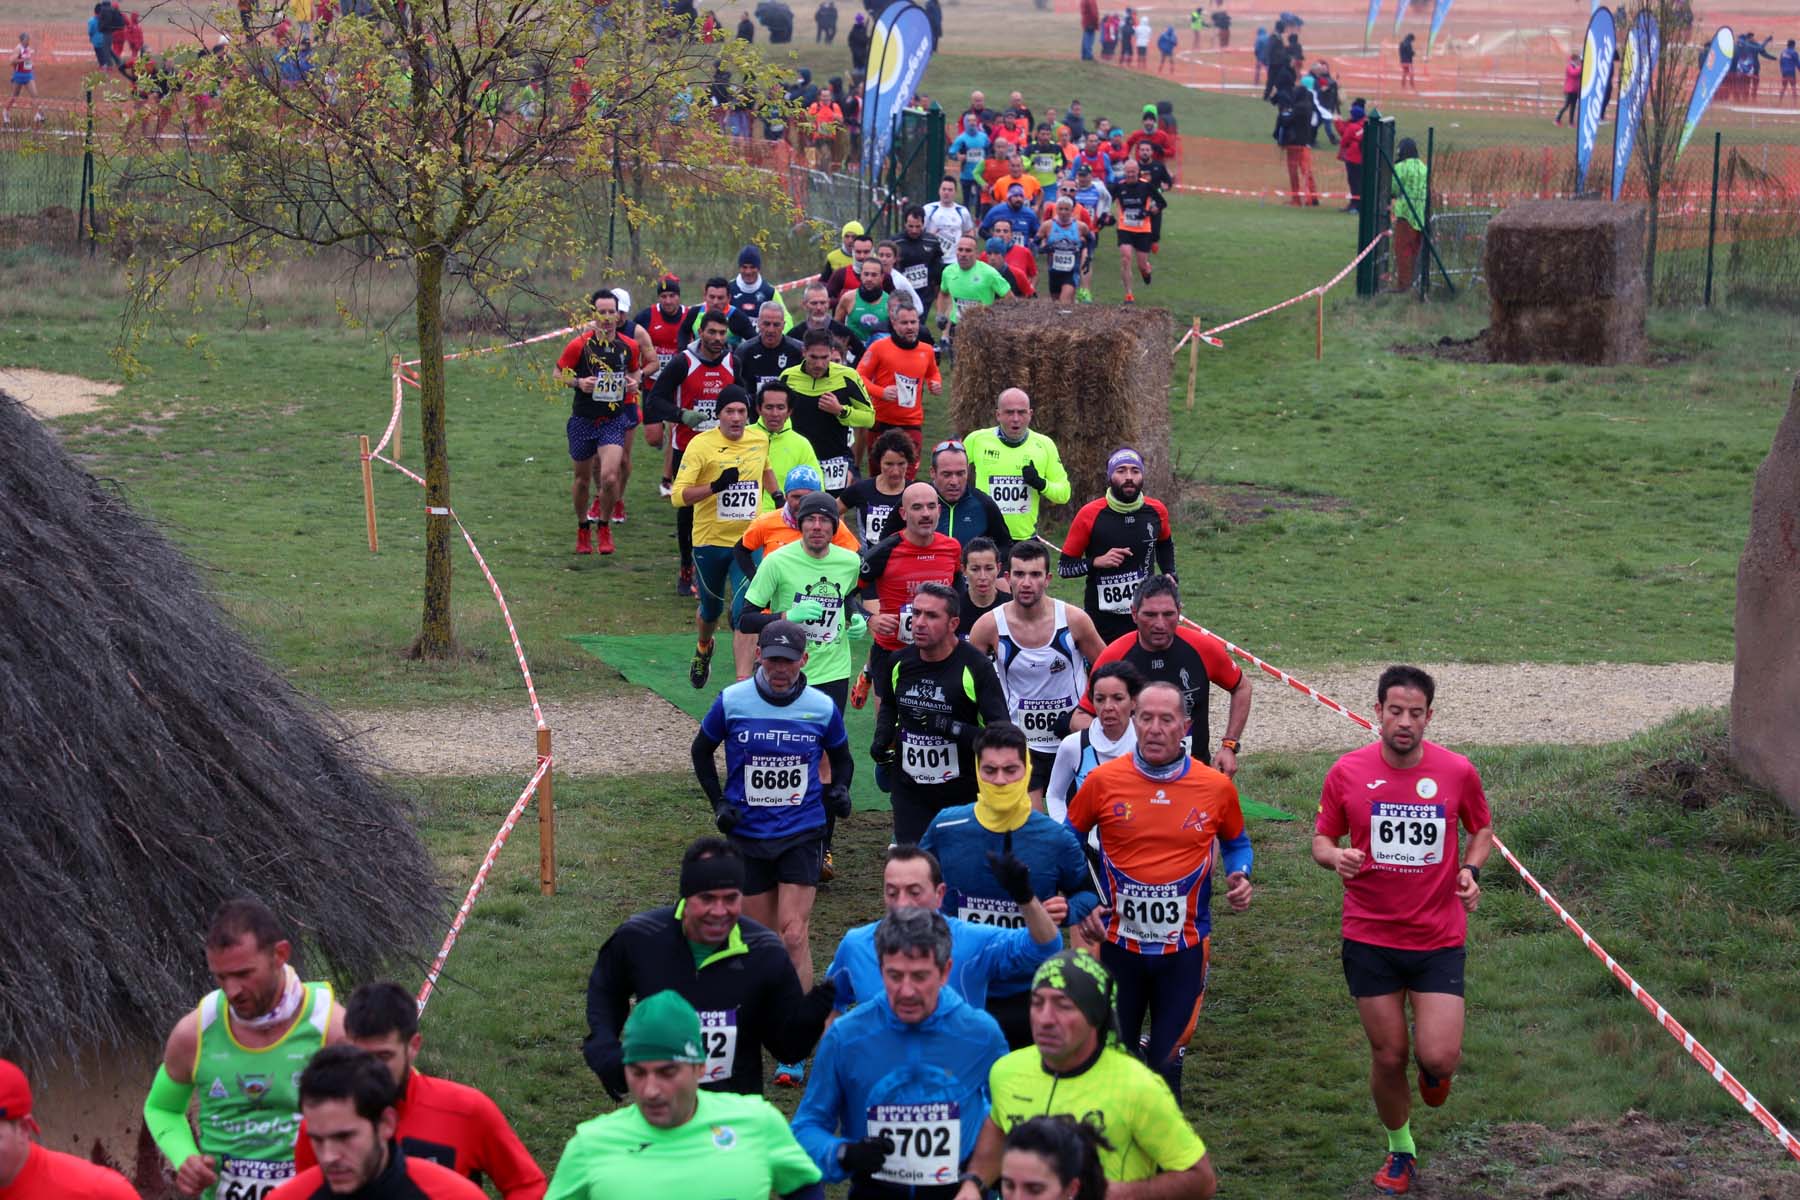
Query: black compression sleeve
x,y
843,764
1071,566
706,771
1165,556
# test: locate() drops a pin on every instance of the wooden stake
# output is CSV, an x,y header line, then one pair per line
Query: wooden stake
x,y
369,495
546,807
1193,361
399,441
1319,337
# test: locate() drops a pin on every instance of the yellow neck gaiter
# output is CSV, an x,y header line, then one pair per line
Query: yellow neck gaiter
x,y
1003,807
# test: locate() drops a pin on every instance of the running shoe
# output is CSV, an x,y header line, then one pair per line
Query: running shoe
x,y
618,512
593,513
859,691
790,1074
1084,295
584,543
1396,1175
684,582
603,538
827,869
1432,1090
1130,299
701,667
666,488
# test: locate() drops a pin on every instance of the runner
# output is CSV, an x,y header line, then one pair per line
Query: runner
x,y
1077,1069
920,257
663,321
965,513
1014,208
816,308
632,331
716,298
1159,814
1041,648
828,402
998,254
968,283
897,372
1064,242
901,1133
780,527
687,395
1053,1157
736,972
1016,465
788,451
1135,205
1117,542
749,291
864,308
1164,650
677,1138
1044,160
895,568
777,732
1002,821
895,459
723,474
1153,168
1114,689
980,589
439,1121
29,1171
911,878
761,360
602,367
842,256
347,1098
1162,144
934,694
241,1048
862,250
970,152
1407,900
946,220
24,79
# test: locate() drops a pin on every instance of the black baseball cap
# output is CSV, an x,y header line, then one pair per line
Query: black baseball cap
x,y
781,639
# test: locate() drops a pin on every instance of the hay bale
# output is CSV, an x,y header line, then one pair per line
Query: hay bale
x,y
1098,378
1565,282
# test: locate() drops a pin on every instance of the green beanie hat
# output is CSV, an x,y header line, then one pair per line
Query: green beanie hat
x,y
663,1028
1079,975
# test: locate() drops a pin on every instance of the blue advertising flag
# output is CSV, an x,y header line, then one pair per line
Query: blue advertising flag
x,y
1437,20
1713,67
1374,16
1635,73
899,50
1596,73
1399,14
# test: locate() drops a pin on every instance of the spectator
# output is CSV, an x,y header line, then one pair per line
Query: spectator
x,y
1295,55
1165,50
1090,25
778,19
1222,22
1261,53
821,19
581,91
1350,148
1140,35
1571,87
1790,73
300,12
746,28
1296,129
1075,121
1325,92
1410,184
1281,74
1109,35
100,31
1406,63
935,15
858,41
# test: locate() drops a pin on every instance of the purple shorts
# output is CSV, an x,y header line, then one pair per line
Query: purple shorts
x,y
588,434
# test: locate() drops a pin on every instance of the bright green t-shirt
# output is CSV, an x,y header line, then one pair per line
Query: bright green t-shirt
x,y
790,574
733,1148
787,450
999,470
1128,1101
978,285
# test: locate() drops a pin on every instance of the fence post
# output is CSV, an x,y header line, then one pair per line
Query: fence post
x,y
546,806
1193,360
84,206
1712,217
1319,335
1425,254
369,496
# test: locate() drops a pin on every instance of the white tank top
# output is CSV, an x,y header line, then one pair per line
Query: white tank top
x,y
1042,682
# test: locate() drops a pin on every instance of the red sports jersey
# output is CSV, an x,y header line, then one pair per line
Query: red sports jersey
x,y
898,569
404,1178
665,335
456,1126
52,1175
700,390
1156,848
1405,821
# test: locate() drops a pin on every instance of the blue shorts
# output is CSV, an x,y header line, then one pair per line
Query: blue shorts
x,y
715,573
21,78
588,434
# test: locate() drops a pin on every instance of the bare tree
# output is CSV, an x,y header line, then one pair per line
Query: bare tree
x,y
1665,106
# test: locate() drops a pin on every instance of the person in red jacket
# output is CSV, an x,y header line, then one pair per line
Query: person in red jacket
x,y
451,1124
1571,87
1350,148
347,1102
28,1171
1090,25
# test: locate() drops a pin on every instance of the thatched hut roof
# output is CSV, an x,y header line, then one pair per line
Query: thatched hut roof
x,y
154,765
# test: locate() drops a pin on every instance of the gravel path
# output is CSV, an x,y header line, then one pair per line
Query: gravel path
x,y
1477,705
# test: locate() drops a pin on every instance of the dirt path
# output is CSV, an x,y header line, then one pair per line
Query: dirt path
x,y
1477,705
51,395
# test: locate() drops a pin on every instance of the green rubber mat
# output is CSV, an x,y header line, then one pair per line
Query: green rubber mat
x,y
660,662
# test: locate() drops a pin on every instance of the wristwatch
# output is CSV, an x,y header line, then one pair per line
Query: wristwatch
x,y
1230,744
1473,870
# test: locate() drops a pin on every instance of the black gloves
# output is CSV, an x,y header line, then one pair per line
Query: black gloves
x,y
726,816
884,775
865,1157
1012,875
1033,480
726,478
817,1004
837,800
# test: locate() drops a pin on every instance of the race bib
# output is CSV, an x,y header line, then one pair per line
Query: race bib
x,y
826,628
1150,913
1045,164
1132,216
718,1035
609,387
836,472
905,632
1010,494
927,1142
947,242
962,306
906,391
708,408
1407,835
874,517
975,155
927,759
251,1179
738,502
1018,239
1115,592
664,358
1038,718
774,780
1062,260
979,910
917,274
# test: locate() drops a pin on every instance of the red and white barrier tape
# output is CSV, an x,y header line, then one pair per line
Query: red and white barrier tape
x,y
1711,1065
487,864
1209,336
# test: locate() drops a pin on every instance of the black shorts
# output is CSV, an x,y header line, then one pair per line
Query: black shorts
x,y
1042,762
769,861
1382,970
1137,241
1062,279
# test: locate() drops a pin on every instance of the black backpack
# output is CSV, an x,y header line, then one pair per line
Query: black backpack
x,y
111,19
